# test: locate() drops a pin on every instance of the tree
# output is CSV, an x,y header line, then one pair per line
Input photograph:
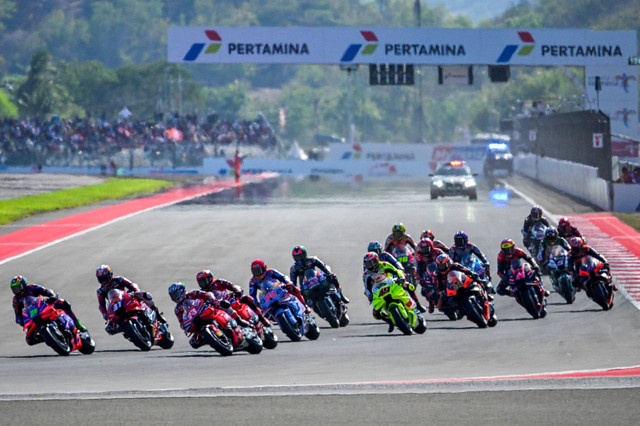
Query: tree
x,y
41,93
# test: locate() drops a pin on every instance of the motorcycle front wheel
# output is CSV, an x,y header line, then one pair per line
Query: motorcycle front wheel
x,y
473,310
291,330
528,299
221,343
399,320
599,295
327,313
56,339
136,331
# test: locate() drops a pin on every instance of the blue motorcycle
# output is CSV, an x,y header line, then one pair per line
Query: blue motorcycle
x,y
285,309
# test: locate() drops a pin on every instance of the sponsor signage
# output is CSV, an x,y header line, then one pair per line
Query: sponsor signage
x,y
435,46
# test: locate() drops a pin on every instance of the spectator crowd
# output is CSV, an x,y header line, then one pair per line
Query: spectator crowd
x,y
176,139
627,176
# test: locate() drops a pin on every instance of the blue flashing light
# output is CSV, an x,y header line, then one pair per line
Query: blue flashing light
x,y
501,146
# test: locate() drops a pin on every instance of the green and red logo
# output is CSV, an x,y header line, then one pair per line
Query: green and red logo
x,y
525,50
353,49
197,48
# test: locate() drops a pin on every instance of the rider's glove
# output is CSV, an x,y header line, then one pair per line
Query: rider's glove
x,y
400,280
224,304
51,300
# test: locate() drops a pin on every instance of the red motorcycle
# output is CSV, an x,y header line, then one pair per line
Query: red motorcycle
x,y
137,321
266,334
216,328
464,295
526,287
596,281
45,322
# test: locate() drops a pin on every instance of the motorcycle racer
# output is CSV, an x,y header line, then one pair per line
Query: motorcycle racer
x,y
384,256
427,233
22,289
534,217
397,237
566,230
222,291
444,264
375,273
462,248
579,249
178,293
107,281
551,238
303,262
263,278
508,252
425,263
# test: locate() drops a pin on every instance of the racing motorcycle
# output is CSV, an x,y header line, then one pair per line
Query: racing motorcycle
x,y
596,281
392,298
324,299
209,325
137,321
561,279
282,307
526,287
266,334
536,236
405,256
464,296
44,322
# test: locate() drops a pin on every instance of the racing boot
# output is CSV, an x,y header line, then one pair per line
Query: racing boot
x,y
243,323
195,343
81,328
344,298
431,307
265,322
160,315
391,326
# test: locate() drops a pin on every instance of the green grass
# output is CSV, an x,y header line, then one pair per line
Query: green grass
x,y
113,189
631,219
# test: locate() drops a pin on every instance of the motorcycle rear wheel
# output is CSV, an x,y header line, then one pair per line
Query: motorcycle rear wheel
x,y
473,310
221,344
88,345
254,345
138,334
56,339
269,340
167,341
291,330
344,320
399,320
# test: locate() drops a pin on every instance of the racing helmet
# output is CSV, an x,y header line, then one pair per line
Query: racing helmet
x,y
375,247
564,225
18,284
507,246
371,261
577,244
258,268
428,234
443,262
425,246
460,239
177,291
299,253
398,230
551,233
204,278
536,212
104,274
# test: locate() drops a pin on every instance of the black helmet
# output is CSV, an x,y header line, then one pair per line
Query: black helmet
x,y
299,253
104,274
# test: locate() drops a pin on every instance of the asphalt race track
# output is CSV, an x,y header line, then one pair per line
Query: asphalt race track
x,y
354,375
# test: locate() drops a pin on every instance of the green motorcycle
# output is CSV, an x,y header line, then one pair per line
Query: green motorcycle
x,y
392,298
